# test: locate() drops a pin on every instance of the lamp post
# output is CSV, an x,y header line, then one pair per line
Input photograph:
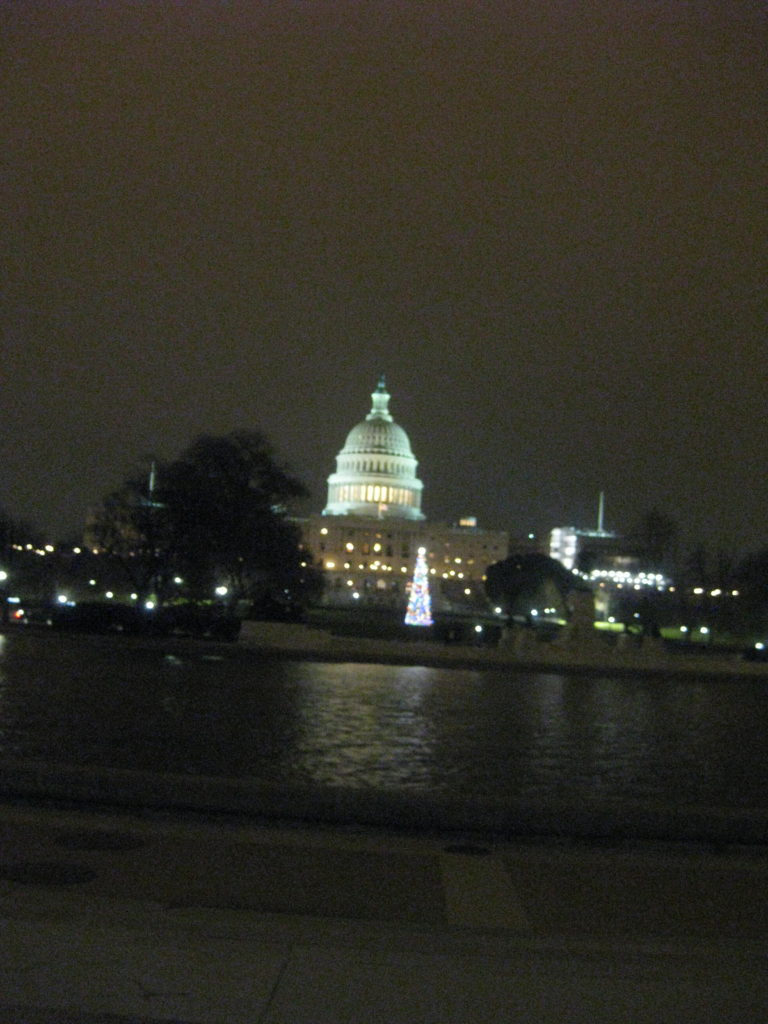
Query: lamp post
x,y
4,596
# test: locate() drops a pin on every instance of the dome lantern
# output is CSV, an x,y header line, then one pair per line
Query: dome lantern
x,y
380,402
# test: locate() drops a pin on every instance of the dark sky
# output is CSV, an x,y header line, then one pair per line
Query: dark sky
x,y
544,221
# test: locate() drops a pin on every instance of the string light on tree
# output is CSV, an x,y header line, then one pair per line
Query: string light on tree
x,y
419,611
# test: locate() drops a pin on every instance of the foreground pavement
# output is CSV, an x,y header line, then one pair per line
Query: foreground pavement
x,y
112,917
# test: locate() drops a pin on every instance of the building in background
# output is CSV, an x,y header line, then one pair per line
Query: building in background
x,y
582,549
368,536
608,562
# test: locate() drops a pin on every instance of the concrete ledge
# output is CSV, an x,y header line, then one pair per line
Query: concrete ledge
x,y
613,821
294,640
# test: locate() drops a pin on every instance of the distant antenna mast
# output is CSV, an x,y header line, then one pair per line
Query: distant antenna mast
x,y
600,512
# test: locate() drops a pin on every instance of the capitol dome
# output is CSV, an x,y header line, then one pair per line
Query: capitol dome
x,y
376,469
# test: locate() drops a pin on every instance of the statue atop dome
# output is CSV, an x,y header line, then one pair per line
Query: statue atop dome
x,y
376,470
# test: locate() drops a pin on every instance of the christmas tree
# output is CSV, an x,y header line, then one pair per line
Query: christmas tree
x,y
419,606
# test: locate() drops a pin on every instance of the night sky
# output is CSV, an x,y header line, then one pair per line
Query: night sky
x,y
545,222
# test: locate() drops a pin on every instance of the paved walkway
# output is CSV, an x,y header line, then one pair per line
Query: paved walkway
x,y
112,918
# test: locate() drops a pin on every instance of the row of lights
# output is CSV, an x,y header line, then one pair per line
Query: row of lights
x,y
64,599
381,567
717,592
350,547
702,630
639,579
647,579
49,549
374,566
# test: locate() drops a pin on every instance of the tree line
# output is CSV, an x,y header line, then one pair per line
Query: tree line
x,y
217,517
213,520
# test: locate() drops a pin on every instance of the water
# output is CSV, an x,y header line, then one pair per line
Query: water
x,y
500,735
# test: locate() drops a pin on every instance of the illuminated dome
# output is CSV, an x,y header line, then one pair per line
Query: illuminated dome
x,y
376,470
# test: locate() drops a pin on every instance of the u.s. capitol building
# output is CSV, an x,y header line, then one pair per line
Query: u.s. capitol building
x,y
369,532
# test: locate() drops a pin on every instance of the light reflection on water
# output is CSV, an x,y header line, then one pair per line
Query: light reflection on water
x,y
365,725
499,735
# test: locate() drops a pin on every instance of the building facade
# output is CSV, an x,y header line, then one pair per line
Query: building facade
x,y
369,533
